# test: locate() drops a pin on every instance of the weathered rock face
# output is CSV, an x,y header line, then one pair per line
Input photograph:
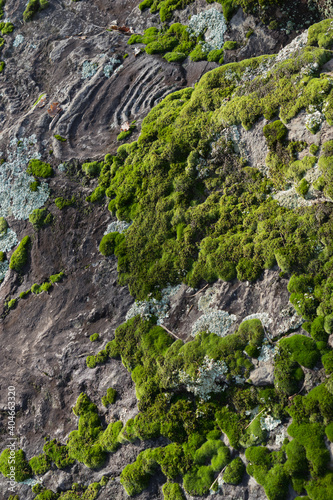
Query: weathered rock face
x,y
68,54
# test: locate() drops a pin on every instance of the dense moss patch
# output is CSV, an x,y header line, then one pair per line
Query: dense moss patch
x,y
20,255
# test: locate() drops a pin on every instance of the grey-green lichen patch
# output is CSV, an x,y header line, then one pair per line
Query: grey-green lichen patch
x,y
210,378
16,197
154,307
214,321
118,226
4,266
8,240
212,24
18,40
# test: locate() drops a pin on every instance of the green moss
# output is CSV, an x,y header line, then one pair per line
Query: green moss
x,y
40,218
14,463
174,57
34,186
303,188
3,226
19,257
40,169
2,256
302,349
59,138
12,303
311,436
61,202
110,397
33,7
234,472
46,495
2,66
40,464
110,242
94,337
314,149
58,453
172,491
55,278
230,45
92,169
320,34
327,360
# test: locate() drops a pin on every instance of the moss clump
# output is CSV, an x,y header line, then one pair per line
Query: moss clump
x,y
2,256
40,169
6,28
2,66
14,462
172,491
20,255
40,218
33,7
3,226
40,464
314,149
11,304
94,337
110,397
230,45
92,169
60,138
55,278
89,444
302,349
303,188
234,472
110,243
58,453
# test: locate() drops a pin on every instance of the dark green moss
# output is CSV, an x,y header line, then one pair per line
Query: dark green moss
x,y
40,218
234,472
61,202
33,7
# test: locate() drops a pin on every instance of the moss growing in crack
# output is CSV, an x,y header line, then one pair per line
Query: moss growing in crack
x,y
2,66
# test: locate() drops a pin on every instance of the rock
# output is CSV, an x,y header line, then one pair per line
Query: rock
x,y
264,375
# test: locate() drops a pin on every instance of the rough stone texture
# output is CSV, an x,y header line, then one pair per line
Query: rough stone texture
x,y
264,375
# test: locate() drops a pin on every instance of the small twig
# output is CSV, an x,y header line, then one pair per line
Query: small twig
x,y
199,291
188,312
297,393
84,354
254,418
167,330
224,468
